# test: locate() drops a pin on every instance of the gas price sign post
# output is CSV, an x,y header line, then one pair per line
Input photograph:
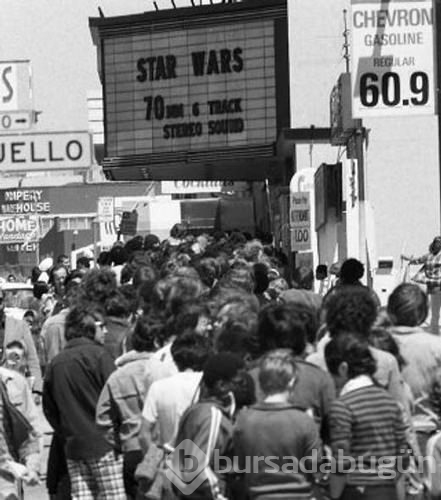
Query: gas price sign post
x,y
393,58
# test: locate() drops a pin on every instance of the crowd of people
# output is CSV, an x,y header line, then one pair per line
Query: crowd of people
x,y
163,362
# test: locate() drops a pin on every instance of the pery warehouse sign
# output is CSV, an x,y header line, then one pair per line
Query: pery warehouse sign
x,y
393,58
182,83
24,201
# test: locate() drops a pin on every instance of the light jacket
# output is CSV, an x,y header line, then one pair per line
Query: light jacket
x,y
120,404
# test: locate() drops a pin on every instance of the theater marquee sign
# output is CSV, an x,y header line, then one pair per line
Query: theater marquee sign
x,y
201,84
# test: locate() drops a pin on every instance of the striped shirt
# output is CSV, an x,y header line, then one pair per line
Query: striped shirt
x,y
367,434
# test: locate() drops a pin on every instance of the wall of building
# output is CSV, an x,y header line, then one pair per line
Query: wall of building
x,y
402,164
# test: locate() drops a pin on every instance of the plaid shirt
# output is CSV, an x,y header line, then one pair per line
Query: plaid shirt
x,y
432,270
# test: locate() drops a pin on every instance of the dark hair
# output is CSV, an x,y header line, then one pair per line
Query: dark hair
x,y
351,271
39,289
281,327
277,369
16,343
237,337
190,351
351,350
148,329
350,309
104,259
99,284
83,261
61,257
117,305
209,271
118,255
54,270
261,279
187,318
131,296
433,246
144,274
35,274
221,366
30,312
407,305
321,269
384,340
80,321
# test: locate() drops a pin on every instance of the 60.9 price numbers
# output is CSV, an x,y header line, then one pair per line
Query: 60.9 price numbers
x,y
388,87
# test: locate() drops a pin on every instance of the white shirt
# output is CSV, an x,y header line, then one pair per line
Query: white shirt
x,y
168,399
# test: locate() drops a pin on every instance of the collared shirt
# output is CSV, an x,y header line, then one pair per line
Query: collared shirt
x,y
356,383
432,270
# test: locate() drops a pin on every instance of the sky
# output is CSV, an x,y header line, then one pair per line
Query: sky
x,y
54,35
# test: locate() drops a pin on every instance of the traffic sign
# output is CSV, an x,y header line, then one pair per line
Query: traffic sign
x,y
129,223
15,120
300,221
105,209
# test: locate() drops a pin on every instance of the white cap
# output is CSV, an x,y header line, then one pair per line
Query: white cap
x,y
46,264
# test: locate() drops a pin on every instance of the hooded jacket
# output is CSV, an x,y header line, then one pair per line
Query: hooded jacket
x,y
120,404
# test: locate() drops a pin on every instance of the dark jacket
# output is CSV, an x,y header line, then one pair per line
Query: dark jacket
x,y
117,331
282,434
194,429
74,380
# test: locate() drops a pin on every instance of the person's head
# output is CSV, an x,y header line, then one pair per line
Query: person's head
x,y
15,355
117,305
118,255
348,356
30,317
85,320
151,243
63,260
221,375
237,337
240,278
277,372
384,340
350,309
11,278
351,271
39,289
190,351
435,246
321,272
407,305
99,284
57,278
209,271
104,259
83,264
281,326
147,331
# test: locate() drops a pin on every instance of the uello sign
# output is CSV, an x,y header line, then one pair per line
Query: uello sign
x,y
47,151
